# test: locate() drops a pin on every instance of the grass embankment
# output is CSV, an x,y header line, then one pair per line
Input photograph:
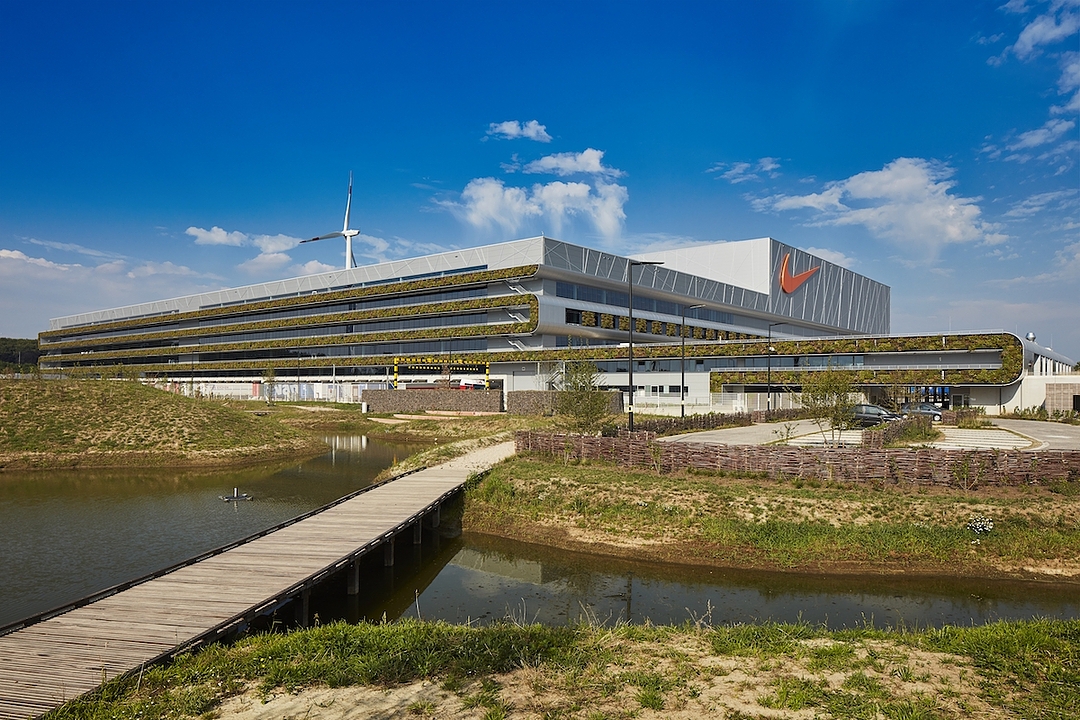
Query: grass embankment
x,y
347,419
711,519
422,669
105,423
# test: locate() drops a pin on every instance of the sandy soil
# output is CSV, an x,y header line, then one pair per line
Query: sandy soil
x,y
704,685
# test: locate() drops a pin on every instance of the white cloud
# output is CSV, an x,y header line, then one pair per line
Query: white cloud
x,y
312,267
908,202
271,247
216,236
588,162
833,256
1060,23
71,247
488,202
264,263
1069,82
149,269
512,129
739,172
1065,271
274,243
1048,133
1040,203
20,256
25,308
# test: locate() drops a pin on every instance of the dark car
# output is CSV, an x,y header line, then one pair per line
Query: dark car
x,y
921,408
867,415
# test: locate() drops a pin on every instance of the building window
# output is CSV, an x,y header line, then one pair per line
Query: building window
x,y
573,317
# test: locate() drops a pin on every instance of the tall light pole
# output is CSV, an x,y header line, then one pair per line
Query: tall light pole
x,y
631,264
768,362
682,375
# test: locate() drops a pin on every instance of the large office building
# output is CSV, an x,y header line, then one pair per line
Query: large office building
x,y
748,317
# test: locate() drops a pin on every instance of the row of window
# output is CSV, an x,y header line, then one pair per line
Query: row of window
x,y
728,363
379,326
372,304
587,318
291,356
586,293
310,311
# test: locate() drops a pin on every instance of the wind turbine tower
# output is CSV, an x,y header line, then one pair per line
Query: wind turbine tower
x,y
345,232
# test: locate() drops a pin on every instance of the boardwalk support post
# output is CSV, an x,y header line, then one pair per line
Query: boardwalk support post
x,y
435,516
354,578
388,553
302,607
417,532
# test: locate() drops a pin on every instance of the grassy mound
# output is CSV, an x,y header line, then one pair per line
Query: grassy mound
x,y
58,423
427,670
708,518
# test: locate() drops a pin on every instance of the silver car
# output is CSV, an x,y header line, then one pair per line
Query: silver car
x,y
921,408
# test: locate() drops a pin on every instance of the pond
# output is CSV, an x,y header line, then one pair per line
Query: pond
x,y
66,535
478,579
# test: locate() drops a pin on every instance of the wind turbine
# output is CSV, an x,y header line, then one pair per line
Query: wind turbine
x,y
345,232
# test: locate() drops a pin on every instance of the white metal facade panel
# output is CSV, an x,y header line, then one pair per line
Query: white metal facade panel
x,y
744,263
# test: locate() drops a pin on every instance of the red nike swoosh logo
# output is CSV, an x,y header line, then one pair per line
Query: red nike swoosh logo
x,y
791,283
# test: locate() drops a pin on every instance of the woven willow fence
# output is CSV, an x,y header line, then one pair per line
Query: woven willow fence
x,y
965,469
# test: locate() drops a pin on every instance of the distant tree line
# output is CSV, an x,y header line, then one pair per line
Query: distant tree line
x,y
18,354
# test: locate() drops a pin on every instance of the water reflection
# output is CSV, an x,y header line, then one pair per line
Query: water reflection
x,y
67,534
479,579
71,533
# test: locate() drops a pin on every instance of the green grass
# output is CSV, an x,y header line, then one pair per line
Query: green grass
x,y
1027,669
65,418
754,522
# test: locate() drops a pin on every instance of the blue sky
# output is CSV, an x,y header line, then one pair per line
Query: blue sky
x,y
150,150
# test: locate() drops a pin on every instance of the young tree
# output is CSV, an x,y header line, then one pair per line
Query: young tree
x,y
269,380
580,398
829,396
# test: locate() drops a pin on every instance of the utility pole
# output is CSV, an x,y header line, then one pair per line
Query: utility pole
x,y
682,375
631,264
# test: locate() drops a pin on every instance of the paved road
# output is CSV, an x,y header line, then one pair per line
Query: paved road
x,y
1056,436
1045,435
752,435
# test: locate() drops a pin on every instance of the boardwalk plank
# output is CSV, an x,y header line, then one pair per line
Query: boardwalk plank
x,y
45,664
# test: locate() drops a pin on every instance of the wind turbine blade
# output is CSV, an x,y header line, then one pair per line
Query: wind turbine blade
x,y
348,204
353,258
323,237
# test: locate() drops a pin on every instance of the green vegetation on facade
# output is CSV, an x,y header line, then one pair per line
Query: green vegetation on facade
x,y
319,298
357,316
1010,347
1012,360
1022,669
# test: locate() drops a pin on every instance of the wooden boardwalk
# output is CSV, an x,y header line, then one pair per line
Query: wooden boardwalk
x,y
47,663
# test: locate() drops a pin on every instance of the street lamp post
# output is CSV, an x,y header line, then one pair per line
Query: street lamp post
x,y
631,264
682,374
768,362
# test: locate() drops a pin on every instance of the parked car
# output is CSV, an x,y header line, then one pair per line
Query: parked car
x,y
867,415
921,408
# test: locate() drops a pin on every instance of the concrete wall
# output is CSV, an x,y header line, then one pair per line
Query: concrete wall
x,y
411,401
1059,396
